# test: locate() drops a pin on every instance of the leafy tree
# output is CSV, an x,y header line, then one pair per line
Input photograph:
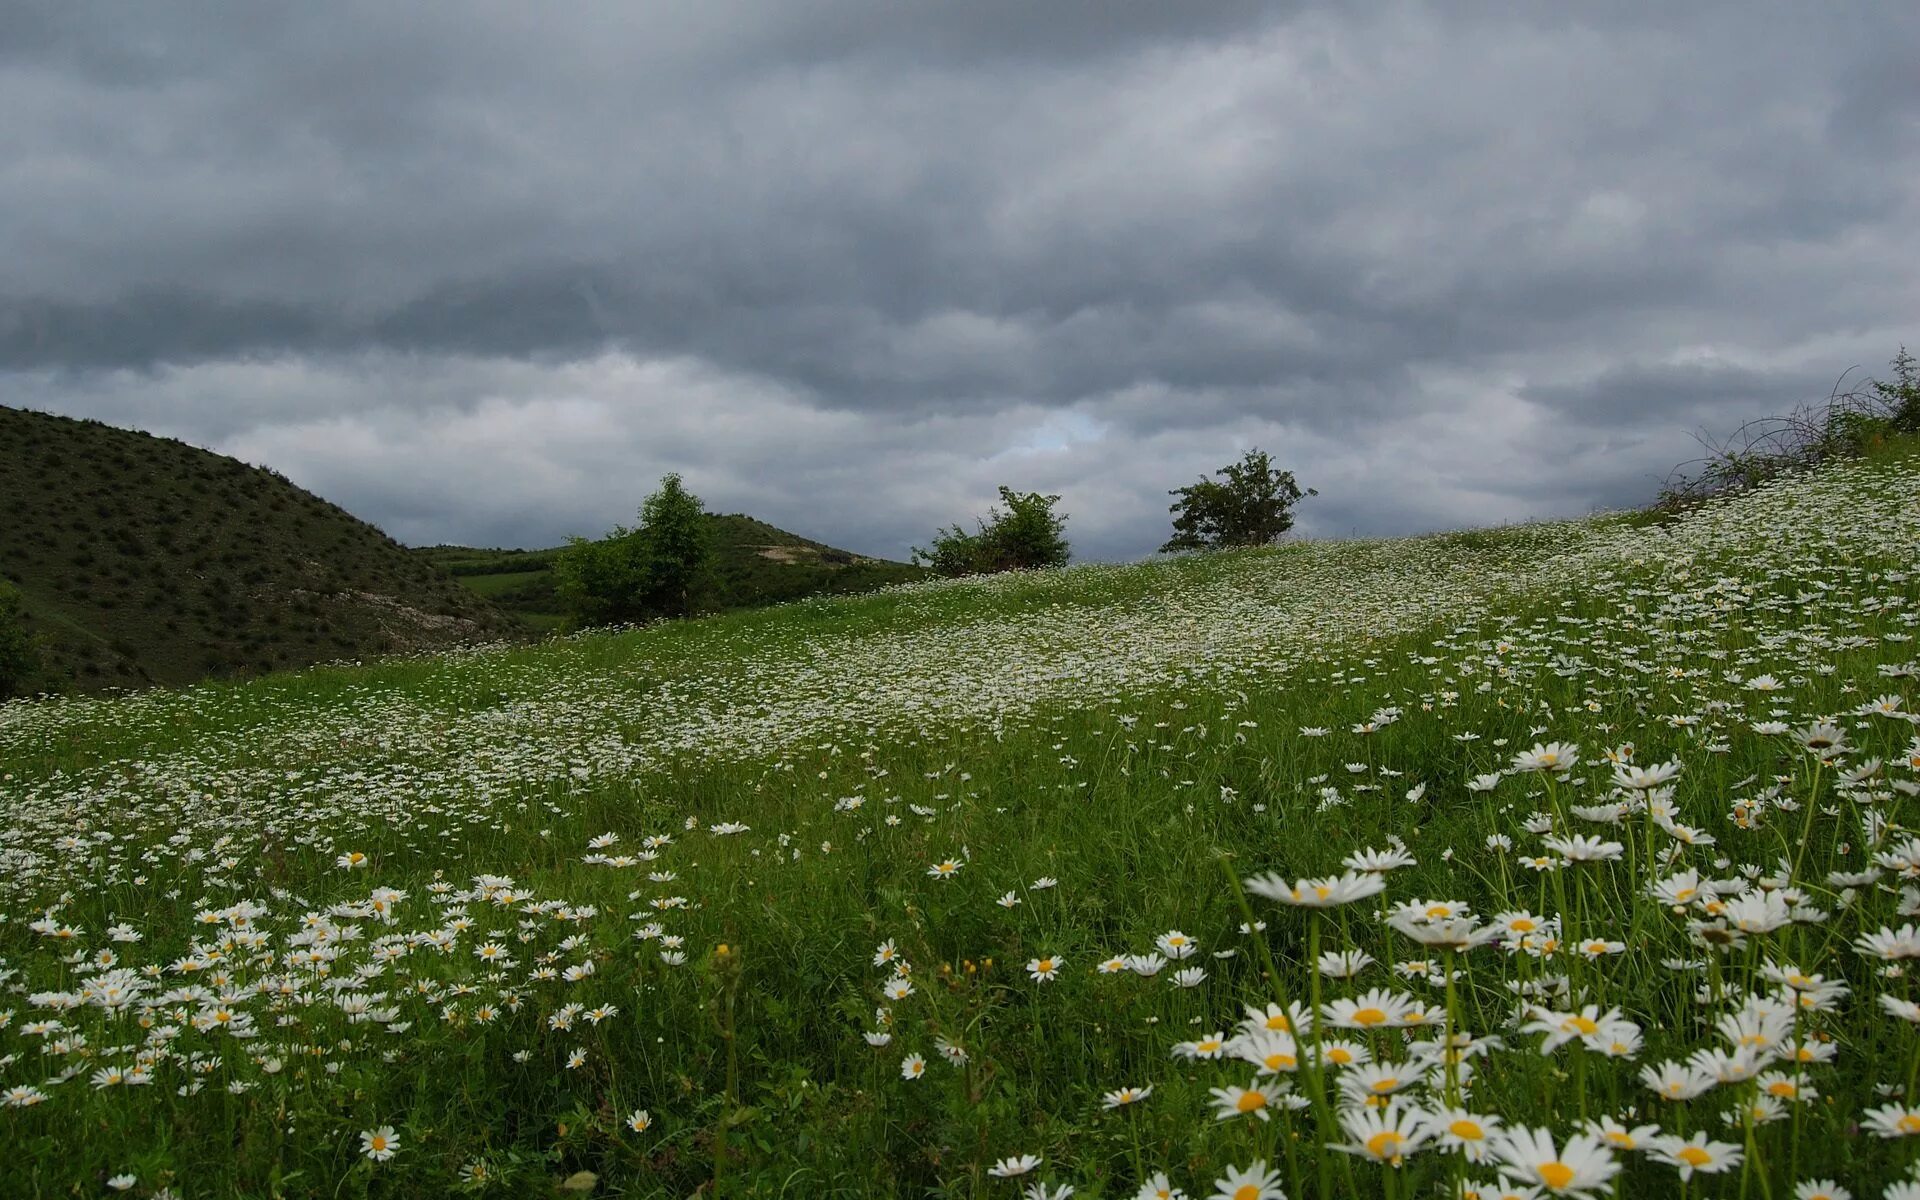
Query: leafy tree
x,y
1251,504
19,655
655,570
1901,398
1027,535
676,543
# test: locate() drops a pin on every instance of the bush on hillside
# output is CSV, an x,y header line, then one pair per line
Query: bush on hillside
x,y
19,655
1027,535
1849,424
1250,504
656,570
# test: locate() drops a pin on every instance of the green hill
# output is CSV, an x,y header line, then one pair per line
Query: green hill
x,y
1319,866
755,564
144,560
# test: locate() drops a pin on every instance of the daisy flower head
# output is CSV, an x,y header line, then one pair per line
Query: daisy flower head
x,y
1231,1102
1330,892
1256,1181
1158,1187
1892,1120
1387,1135
1820,1189
946,868
379,1144
1580,1168
1458,1129
1043,970
1014,1165
1696,1154
639,1120
913,1066
1121,1097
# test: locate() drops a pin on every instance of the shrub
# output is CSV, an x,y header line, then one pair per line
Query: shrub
x,y
19,653
1027,535
656,570
1251,504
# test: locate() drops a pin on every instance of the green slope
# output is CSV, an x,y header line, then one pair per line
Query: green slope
x,y
143,560
755,564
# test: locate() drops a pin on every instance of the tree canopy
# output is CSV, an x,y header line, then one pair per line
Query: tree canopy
x,y
1250,504
655,570
1027,534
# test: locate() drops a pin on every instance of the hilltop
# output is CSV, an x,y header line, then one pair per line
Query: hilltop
x,y
754,564
143,560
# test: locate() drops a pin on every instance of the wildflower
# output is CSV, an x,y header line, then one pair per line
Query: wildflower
x,y
1675,1081
1256,1181
1387,1135
1580,1168
913,1066
379,1144
1158,1187
1175,945
1458,1129
1044,969
639,1120
1316,893
1373,1009
1008,1168
352,860
946,868
1121,1097
1820,1189
1554,756
1892,1120
1230,1102
1697,1154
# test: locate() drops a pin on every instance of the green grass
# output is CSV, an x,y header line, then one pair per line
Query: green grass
x,y
143,560
1145,737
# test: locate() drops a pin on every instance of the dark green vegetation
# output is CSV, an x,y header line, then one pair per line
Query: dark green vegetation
x,y
1874,416
1251,504
142,560
1024,536
753,565
658,569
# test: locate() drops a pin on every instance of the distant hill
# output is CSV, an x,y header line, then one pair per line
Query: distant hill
x,y
754,564
144,560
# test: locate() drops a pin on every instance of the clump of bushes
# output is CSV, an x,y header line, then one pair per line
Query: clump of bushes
x,y
1849,424
1025,535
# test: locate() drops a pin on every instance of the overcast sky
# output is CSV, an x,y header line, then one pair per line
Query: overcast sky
x,y
481,273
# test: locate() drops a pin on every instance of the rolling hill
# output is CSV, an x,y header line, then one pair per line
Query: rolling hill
x,y
143,560
754,564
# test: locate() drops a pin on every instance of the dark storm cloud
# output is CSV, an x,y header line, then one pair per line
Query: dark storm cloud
x,y
855,262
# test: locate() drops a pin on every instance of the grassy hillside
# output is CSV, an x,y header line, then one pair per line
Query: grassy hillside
x,y
143,560
754,565
1578,856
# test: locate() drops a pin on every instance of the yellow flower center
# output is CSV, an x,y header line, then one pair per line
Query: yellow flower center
x,y
1046,964
1467,1130
1341,1055
1910,1124
1694,1156
1281,1062
1439,910
1555,1175
1281,1023
1523,925
1622,1140
1369,1016
1783,1088
1246,1191
1586,1025
1249,1101
1383,1086
1385,1144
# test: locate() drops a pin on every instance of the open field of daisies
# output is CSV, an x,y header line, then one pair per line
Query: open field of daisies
x,y
1574,859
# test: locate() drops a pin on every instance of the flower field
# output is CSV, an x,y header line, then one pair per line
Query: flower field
x,y
1574,859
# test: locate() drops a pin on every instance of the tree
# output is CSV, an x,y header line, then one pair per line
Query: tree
x,y
19,655
676,542
1251,504
1026,536
656,570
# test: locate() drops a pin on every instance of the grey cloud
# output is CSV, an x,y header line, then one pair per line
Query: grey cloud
x,y
1410,245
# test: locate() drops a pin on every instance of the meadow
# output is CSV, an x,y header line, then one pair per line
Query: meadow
x,y
1569,859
